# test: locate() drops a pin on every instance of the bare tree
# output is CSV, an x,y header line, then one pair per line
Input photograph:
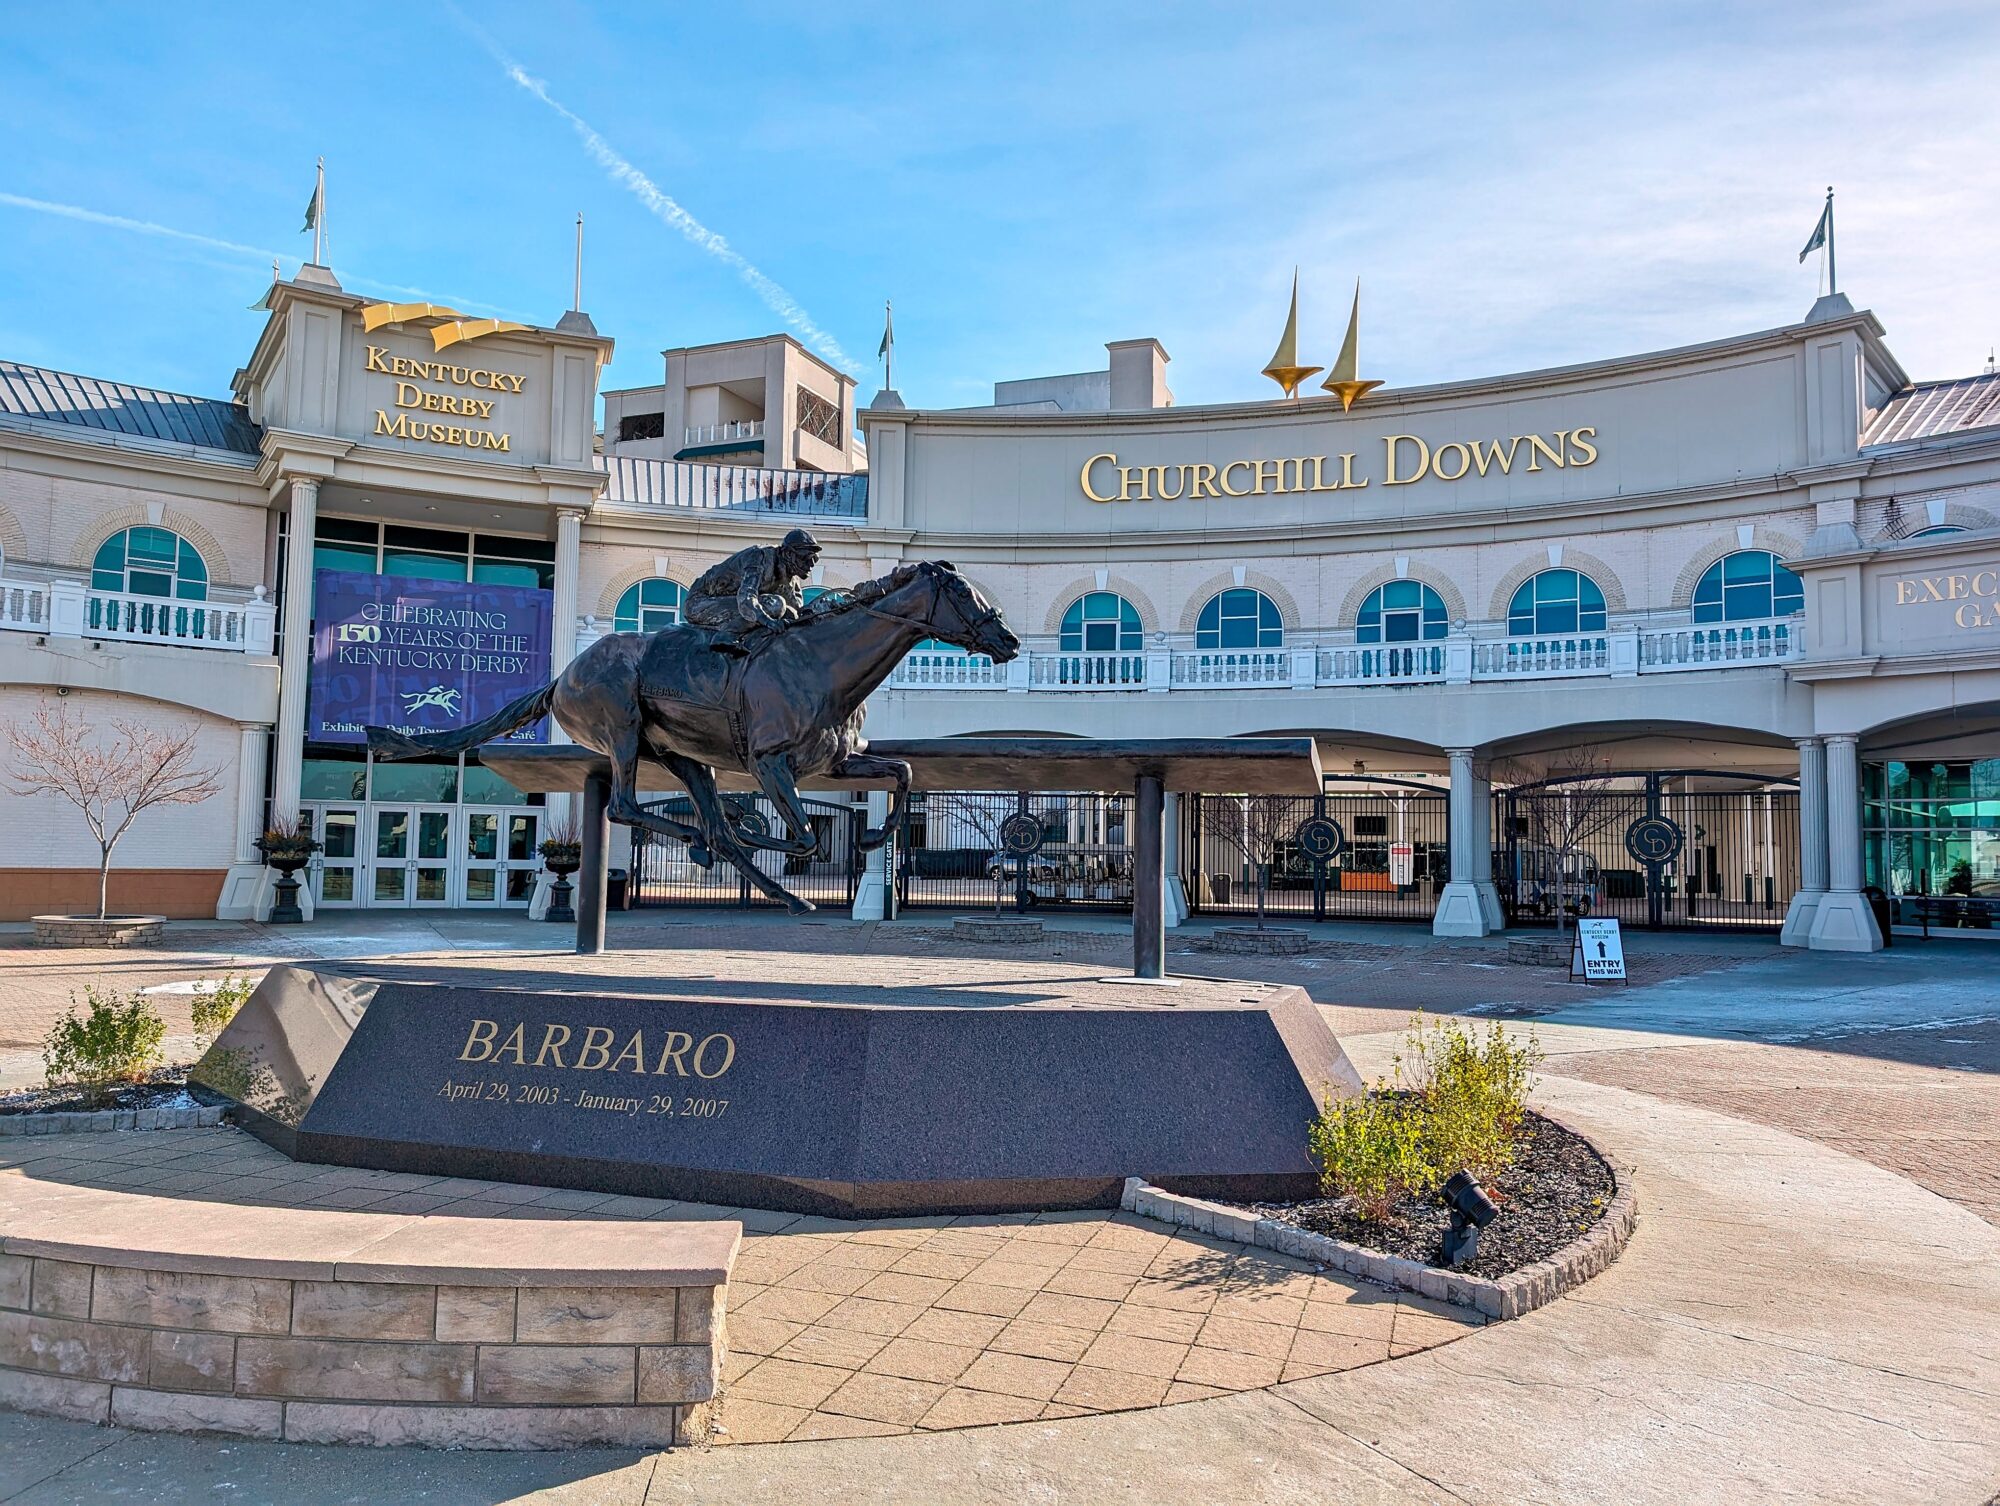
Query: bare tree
x,y
1254,825
1577,800
979,814
55,753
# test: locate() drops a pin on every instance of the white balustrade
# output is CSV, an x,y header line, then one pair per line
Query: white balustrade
x,y
1621,651
742,428
1383,663
24,605
1710,645
71,609
1227,667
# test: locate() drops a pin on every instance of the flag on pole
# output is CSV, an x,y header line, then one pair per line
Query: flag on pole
x,y
314,205
888,331
1820,230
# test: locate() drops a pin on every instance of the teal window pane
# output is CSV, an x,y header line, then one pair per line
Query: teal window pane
x,y
1101,621
484,787
416,566
333,774
351,557
427,781
649,606
515,573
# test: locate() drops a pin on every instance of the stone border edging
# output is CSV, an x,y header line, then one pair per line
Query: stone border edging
x,y
104,1121
1509,1296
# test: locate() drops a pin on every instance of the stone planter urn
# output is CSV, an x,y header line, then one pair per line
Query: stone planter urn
x,y
1270,941
287,852
562,859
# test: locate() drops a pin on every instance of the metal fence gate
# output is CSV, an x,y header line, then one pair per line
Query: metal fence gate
x,y
956,855
1392,863
1737,866
662,874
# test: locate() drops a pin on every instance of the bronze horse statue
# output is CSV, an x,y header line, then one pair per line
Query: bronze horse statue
x,y
791,710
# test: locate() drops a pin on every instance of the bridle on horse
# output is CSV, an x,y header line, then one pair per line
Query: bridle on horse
x,y
928,622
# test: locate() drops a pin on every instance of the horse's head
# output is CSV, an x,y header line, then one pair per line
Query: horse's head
x,y
963,617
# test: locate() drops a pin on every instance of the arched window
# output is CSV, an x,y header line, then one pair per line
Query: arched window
x,y
1931,533
810,594
1556,601
150,562
1240,618
1747,586
1101,622
649,606
1402,611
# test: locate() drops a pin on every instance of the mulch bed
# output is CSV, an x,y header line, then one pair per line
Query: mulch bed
x,y
1556,1189
164,1089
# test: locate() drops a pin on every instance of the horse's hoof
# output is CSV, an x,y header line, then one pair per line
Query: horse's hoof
x,y
800,906
701,857
874,837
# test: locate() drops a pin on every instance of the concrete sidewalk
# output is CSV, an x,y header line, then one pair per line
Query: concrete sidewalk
x,y
1790,1325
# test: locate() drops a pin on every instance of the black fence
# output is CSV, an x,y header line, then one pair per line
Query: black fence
x,y
1391,864
956,855
663,874
1736,869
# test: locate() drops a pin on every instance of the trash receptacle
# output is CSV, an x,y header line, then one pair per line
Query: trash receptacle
x,y
614,885
1878,902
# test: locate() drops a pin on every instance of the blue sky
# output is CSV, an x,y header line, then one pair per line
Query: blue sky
x,y
1517,186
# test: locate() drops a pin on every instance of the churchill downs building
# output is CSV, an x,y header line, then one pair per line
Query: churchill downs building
x,y
1704,637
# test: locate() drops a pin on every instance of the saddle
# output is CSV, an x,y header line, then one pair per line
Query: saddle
x,y
682,663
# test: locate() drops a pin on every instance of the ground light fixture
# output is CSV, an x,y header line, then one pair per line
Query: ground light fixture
x,y
1471,1211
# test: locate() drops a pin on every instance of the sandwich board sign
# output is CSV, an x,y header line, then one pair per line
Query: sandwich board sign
x,y
1599,954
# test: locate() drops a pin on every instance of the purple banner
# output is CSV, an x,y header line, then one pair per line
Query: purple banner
x,y
422,655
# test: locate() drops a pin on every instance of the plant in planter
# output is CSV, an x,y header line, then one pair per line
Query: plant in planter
x,y
562,855
116,1041
287,846
112,782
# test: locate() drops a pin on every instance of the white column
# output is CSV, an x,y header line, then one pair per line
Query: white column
x,y
1482,855
1177,904
1842,921
243,887
871,894
1812,844
250,789
289,759
569,546
1459,912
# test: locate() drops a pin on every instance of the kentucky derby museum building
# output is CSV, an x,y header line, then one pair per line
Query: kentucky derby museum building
x,y
1703,637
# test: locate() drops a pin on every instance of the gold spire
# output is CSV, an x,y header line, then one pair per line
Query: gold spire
x,y
1342,381
1284,367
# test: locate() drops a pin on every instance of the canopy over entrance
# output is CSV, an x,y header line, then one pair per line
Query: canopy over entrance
x,y
1147,766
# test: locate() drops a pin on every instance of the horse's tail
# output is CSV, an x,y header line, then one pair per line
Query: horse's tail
x,y
389,744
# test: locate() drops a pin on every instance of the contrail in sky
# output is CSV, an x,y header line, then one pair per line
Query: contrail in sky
x,y
664,207
213,243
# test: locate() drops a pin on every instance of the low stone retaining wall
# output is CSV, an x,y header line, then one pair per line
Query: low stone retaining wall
x,y
337,1327
995,928
88,930
1539,953
1272,941
103,1121
1508,1296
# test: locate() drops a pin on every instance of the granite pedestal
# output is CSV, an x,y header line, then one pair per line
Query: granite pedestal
x,y
860,1100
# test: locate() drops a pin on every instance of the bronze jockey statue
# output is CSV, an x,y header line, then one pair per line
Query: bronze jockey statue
x,y
754,593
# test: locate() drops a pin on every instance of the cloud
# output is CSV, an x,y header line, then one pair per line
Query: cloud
x,y
214,243
665,208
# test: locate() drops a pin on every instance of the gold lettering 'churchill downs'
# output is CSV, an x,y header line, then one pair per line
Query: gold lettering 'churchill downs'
x,y
599,1048
1406,458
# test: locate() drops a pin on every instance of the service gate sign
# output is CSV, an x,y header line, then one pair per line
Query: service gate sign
x,y
422,655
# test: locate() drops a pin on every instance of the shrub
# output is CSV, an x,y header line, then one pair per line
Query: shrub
x,y
116,1041
1370,1149
215,1007
1473,1088
1456,1101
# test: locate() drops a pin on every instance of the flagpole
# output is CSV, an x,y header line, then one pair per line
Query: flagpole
x,y
1832,280
319,220
576,298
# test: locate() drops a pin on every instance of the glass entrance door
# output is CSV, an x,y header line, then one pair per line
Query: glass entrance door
x,y
409,856
336,869
501,857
